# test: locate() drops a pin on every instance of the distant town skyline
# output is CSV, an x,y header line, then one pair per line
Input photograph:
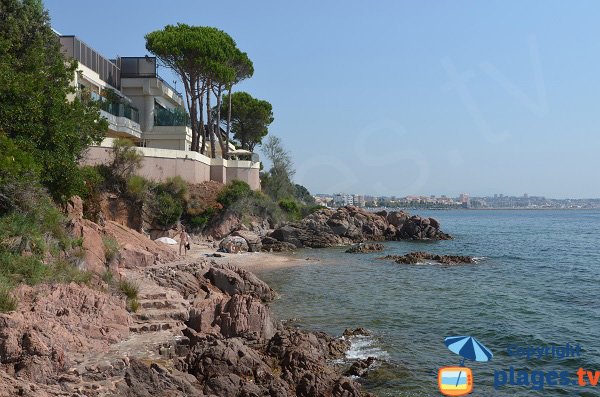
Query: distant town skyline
x,y
400,97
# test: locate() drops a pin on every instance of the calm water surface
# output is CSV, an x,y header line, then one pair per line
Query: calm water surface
x,y
538,283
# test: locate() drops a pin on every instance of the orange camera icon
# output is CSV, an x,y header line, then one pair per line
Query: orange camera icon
x,y
455,381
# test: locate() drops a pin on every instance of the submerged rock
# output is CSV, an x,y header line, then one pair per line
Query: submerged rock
x,y
356,332
418,257
360,367
365,248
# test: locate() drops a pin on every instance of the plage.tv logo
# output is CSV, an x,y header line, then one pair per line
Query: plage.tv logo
x,y
455,381
458,381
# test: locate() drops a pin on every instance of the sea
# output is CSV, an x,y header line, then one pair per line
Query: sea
x,y
535,288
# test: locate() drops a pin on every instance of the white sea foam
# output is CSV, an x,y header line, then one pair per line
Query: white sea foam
x,y
363,347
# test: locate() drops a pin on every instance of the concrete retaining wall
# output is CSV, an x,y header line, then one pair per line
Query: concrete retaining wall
x,y
193,167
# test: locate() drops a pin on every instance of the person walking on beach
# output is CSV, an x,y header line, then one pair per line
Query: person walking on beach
x,y
184,241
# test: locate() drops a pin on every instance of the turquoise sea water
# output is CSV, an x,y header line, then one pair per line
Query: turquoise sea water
x,y
538,283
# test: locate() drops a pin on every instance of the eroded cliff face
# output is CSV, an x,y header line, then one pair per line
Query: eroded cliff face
x,y
201,329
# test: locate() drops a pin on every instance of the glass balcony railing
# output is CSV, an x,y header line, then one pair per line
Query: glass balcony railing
x,y
121,110
171,117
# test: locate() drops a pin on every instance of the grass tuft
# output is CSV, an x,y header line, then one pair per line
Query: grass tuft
x,y
8,303
129,289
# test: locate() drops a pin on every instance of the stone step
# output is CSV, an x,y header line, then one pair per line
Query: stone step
x,y
153,315
152,295
140,327
161,304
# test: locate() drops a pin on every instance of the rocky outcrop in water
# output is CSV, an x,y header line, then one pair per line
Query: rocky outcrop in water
x,y
347,225
270,244
420,257
364,248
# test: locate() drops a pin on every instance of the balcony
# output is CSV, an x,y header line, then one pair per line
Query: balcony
x,y
121,110
143,67
171,117
123,119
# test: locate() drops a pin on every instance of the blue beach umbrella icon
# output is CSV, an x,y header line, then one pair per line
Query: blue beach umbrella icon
x,y
468,348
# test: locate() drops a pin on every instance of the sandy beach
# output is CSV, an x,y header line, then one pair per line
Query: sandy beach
x,y
246,260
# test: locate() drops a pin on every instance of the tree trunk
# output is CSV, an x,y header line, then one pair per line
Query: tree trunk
x,y
202,130
228,119
218,122
191,104
211,130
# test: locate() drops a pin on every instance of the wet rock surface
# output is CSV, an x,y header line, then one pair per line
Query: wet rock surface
x,y
364,248
347,225
420,257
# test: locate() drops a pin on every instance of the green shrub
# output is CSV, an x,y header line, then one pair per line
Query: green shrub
x,y
176,187
8,302
199,221
137,188
111,248
129,289
291,208
310,209
108,277
126,160
16,269
166,210
19,177
93,180
260,206
233,192
64,272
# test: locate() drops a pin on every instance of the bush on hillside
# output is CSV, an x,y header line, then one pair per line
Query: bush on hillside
x,y
137,188
234,192
8,303
19,178
176,187
291,208
94,182
166,210
126,159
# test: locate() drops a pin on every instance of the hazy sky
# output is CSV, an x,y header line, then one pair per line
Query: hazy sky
x,y
397,98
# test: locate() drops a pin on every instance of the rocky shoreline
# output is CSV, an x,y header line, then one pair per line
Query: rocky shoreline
x,y
202,329
349,225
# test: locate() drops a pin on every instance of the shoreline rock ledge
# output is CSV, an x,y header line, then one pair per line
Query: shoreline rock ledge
x,y
348,225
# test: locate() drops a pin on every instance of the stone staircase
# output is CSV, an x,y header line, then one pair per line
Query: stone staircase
x,y
160,309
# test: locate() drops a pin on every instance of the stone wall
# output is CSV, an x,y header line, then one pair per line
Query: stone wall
x,y
160,164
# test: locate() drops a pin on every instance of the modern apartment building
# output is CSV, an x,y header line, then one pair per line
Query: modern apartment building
x,y
141,106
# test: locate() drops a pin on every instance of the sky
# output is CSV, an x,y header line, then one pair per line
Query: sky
x,y
403,97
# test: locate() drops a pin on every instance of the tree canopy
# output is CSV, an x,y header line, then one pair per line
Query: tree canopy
x,y
277,182
35,85
250,118
208,62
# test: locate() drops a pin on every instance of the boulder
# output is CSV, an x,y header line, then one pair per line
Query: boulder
x,y
233,280
270,244
233,245
236,316
223,225
360,367
252,239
